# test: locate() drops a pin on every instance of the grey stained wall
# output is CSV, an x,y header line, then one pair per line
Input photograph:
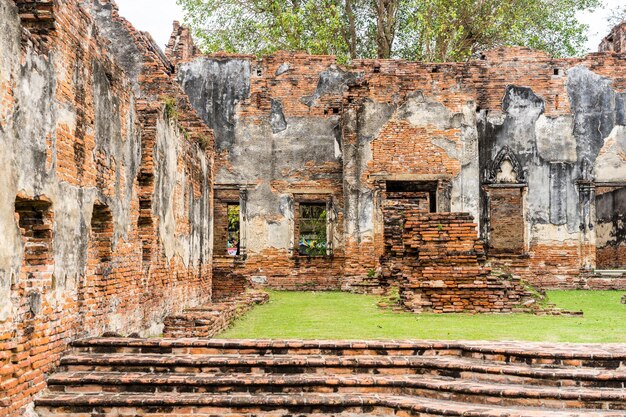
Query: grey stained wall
x,y
260,150
30,155
28,134
551,153
557,151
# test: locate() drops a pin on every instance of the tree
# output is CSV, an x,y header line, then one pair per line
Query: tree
x,y
455,30
432,30
617,15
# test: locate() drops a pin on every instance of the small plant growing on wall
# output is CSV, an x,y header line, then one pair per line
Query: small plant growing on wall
x,y
186,134
203,142
371,273
171,108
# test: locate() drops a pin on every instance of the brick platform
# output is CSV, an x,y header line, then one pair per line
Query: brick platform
x,y
210,319
439,264
202,377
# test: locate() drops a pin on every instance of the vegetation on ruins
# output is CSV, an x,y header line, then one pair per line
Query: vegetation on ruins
x,y
313,237
171,108
617,15
336,315
429,30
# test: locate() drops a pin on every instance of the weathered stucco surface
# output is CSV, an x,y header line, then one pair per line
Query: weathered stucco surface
x,y
457,125
90,245
285,145
112,150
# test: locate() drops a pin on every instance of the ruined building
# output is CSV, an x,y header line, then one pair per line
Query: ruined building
x,y
137,183
532,147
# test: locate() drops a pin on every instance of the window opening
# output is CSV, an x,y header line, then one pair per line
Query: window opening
x,y
234,227
422,193
313,239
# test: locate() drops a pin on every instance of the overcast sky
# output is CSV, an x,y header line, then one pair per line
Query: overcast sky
x,y
156,17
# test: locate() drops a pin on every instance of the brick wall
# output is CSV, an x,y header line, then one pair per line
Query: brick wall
x,y
281,144
210,320
101,179
615,41
555,265
401,121
551,257
439,263
506,221
228,281
283,270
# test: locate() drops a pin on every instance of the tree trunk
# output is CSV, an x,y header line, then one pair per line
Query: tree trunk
x,y
351,29
386,25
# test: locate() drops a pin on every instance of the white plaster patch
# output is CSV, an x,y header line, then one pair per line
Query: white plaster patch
x,y
167,152
29,411
604,234
338,153
259,279
257,234
555,138
278,234
611,162
422,111
465,188
155,330
496,118
507,173
550,233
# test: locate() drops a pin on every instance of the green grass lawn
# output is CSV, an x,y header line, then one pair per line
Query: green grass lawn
x,y
337,315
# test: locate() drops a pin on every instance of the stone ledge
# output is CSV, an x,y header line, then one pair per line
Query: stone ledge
x,y
613,390
210,319
597,370
589,351
394,403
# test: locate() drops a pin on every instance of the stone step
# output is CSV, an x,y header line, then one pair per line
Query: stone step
x,y
417,385
540,354
447,366
201,405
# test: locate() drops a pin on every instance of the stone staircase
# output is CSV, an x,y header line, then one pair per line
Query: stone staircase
x,y
121,377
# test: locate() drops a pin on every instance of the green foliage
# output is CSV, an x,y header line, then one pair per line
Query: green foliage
x,y
371,273
429,30
264,26
171,108
311,247
185,133
455,30
337,315
313,236
390,300
204,142
233,218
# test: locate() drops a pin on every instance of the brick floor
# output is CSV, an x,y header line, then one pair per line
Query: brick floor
x,y
197,377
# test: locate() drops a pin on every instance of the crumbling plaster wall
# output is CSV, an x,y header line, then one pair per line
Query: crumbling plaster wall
x,y
277,135
561,122
555,124
76,130
170,143
405,122
556,127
